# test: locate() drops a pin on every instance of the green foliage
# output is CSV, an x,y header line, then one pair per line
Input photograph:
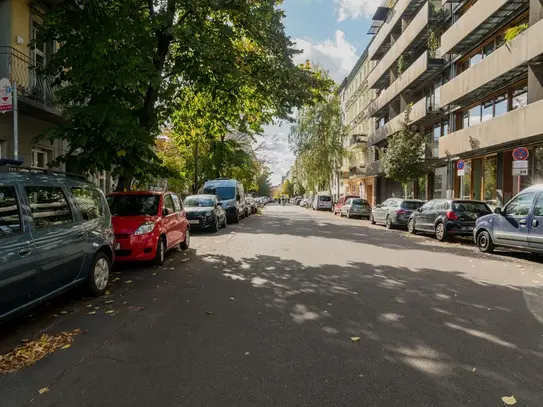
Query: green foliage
x,y
512,32
400,66
433,43
287,188
403,160
124,65
318,138
263,183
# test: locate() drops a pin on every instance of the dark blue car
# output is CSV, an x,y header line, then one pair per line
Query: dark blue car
x,y
518,225
55,234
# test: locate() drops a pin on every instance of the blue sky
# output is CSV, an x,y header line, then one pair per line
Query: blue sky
x,y
331,33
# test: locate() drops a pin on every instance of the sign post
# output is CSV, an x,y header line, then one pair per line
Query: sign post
x,y
520,164
461,171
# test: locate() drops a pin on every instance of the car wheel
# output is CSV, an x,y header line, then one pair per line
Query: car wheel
x,y
216,225
441,234
160,252
185,244
99,274
388,222
411,226
372,220
484,242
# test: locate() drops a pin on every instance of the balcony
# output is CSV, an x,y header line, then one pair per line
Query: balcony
x,y
419,72
357,140
381,42
504,131
356,172
504,64
424,108
35,94
414,36
374,168
477,23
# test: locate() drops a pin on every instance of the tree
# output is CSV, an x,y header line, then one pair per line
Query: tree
x,y
287,188
123,66
263,183
403,159
318,139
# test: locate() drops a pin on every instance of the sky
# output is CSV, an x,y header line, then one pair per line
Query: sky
x,y
332,33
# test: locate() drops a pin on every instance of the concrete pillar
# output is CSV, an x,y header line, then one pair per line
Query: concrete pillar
x,y
405,99
394,35
536,11
405,23
393,110
535,83
499,179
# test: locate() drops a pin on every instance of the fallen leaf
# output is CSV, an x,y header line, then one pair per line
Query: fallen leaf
x,y
128,281
107,292
63,312
109,302
247,353
92,312
115,279
355,338
154,274
110,312
66,346
44,390
474,369
208,312
509,400
232,298
89,306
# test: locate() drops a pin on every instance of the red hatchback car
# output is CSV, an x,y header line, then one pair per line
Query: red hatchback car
x,y
341,202
147,224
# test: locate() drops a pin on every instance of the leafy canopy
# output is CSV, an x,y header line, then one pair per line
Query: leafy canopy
x,y
124,66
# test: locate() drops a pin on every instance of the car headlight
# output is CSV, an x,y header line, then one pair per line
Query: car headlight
x,y
209,214
147,227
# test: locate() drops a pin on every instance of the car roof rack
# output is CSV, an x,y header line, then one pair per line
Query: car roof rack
x,y
8,165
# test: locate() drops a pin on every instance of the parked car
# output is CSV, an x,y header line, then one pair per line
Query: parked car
x,y
252,205
339,204
205,212
447,217
232,195
55,234
147,224
322,202
356,208
394,212
518,225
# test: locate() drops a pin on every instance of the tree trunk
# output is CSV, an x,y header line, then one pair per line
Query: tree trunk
x,y
196,184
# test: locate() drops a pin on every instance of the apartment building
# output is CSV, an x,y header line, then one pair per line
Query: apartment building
x,y
470,71
20,24
355,97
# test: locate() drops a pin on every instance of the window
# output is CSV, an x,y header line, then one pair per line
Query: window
x,y
49,207
520,97
177,203
10,220
474,115
488,49
40,158
133,205
488,110
427,206
435,146
445,128
475,59
538,207
168,203
500,105
89,202
3,150
521,205
465,121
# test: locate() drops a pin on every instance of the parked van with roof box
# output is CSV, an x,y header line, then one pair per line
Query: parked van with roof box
x,y
55,234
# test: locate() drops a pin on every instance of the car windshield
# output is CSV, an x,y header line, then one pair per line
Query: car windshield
x,y
198,202
479,208
133,205
325,198
413,205
360,202
222,192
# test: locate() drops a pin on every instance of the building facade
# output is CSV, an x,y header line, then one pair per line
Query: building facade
x,y
470,73
20,25
355,95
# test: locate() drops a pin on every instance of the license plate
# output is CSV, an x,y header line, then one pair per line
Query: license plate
x,y
117,246
194,222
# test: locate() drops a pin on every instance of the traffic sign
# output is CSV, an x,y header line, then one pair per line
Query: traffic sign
x,y
6,95
519,172
460,173
520,164
520,154
460,164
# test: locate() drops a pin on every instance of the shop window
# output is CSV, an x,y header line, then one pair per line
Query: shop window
x,y
489,181
538,165
3,149
440,182
465,182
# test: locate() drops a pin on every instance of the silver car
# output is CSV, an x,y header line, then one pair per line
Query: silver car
x,y
356,208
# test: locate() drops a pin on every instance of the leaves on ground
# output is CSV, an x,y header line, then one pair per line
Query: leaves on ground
x,y
31,351
44,390
355,338
110,312
92,312
509,400
109,302
115,279
128,281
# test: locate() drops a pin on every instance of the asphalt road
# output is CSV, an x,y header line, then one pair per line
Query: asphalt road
x,y
263,314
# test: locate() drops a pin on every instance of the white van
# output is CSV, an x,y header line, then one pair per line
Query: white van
x,y
323,202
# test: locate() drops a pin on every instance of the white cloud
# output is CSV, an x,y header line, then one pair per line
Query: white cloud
x,y
336,55
356,8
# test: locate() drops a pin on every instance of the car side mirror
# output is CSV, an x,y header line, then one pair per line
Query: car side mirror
x,y
419,209
165,212
498,211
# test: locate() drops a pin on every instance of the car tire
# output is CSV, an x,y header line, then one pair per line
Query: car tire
x,y
388,223
372,220
411,227
215,228
484,242
185,244
160,252
99,275
441,233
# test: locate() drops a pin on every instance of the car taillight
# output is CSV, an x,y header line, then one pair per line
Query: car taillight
x,y
401,212
452,216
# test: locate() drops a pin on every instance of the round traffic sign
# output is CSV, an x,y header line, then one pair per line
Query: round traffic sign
x,y
520,154
460,164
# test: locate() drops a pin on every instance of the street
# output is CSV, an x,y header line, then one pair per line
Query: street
x,y
297,308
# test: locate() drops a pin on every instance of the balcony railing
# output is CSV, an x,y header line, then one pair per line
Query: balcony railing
x,y
357,139
31,82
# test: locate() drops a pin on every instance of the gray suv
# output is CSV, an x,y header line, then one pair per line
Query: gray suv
x,y
55,234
